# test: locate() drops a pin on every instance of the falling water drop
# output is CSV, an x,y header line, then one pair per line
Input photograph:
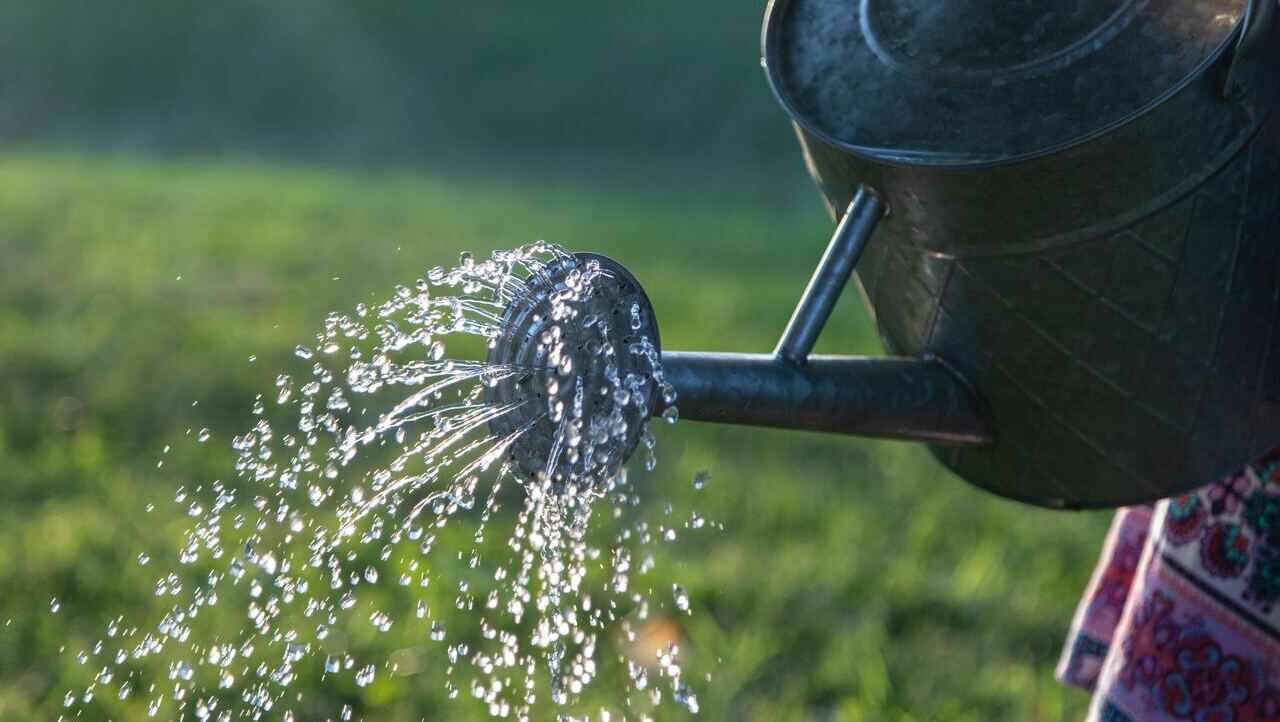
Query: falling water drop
x,y
681,597
700,479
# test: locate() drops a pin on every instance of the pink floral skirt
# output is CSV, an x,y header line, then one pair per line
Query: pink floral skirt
x,y
1181,620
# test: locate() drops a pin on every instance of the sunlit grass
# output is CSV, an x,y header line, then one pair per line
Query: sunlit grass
x,y
853,580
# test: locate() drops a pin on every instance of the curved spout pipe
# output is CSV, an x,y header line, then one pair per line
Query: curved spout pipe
x,y
896,398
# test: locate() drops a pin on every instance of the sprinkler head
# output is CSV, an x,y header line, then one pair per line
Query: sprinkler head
x,y
578,357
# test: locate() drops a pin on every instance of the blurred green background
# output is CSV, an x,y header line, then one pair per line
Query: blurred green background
x,y
185,185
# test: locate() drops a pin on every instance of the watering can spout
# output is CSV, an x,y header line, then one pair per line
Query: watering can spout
x,y
898,398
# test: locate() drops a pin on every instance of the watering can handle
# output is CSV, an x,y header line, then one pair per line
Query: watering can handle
x,y
895,397
831,276
1255,29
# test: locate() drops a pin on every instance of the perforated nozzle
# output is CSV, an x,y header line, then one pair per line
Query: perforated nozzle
x,y
577,355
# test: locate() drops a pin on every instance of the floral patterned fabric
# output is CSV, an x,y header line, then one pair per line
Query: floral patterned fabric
x,y
1181,620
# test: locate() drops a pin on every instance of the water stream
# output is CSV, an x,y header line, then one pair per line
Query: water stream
x,y
372,494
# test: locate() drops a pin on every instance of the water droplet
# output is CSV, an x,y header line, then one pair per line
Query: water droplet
x,y
681,597
380,620
700,479
686,697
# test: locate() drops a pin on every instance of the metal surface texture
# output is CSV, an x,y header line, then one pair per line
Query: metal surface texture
x,y
528,320
1109,290
1249,51
980,81
895,398
1112,170
831,276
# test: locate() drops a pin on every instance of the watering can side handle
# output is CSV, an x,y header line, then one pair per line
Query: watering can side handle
x,y
1255,29
831,276
921,399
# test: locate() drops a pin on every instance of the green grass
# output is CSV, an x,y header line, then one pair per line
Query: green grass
x,y
854,580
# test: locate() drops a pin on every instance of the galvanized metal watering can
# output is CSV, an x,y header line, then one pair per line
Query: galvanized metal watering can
x,y
1065,217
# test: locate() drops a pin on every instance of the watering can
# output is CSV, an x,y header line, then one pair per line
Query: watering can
x,y
1064,217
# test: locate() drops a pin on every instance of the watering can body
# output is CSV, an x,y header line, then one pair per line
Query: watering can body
x,y
1081,219
1064,216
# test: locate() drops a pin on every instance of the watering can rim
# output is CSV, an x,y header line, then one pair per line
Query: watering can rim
x,y
1253,14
